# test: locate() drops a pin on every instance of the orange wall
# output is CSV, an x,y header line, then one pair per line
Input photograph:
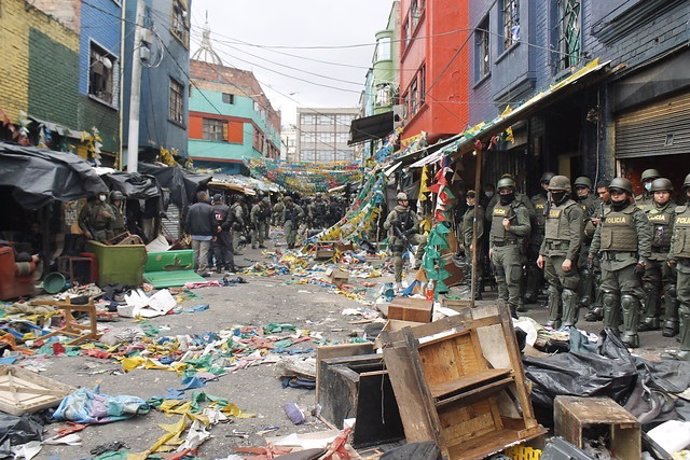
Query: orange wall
x,y
443,44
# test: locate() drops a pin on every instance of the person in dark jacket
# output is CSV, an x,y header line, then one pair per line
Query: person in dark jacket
x,y
200,222
222,242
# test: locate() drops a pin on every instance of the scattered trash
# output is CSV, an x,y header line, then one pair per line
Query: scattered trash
x,y
294,413
92,406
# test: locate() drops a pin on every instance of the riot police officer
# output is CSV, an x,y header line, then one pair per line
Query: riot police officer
x,y
238,223
221,245
624,240
644,199
559,252
402,225
596,309
467,233
535,277
658,277
292,216
679,257
256,217
587,202
510,225
118,225
96,218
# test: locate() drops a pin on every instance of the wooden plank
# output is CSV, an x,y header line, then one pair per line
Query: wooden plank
x,y
472,395
22,391
484,446
336,351
409,309
485,377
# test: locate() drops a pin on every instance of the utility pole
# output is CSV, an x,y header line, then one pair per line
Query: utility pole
x,y
135,92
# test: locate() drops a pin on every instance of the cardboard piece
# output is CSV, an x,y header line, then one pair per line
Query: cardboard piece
x,y
337,276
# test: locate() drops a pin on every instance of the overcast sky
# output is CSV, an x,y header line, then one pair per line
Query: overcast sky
x,y
292,24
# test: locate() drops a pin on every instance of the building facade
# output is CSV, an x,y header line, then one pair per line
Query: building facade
x,y
231,119
164,95
324,134
63,73
619,121
433,72
288,138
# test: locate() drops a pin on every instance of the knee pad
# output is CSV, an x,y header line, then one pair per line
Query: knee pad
x,y
586,273
671,291
629,302
608,299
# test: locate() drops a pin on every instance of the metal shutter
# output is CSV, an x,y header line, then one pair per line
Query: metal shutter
x,y
171,225
662,128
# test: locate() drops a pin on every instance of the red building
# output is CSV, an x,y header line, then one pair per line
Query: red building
x,y
434,82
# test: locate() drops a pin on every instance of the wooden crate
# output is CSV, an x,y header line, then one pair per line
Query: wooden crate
x,y
574,416
410,309
24,392
394,325
459,382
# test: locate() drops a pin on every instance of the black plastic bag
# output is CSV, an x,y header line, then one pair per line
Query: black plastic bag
x,y
19,430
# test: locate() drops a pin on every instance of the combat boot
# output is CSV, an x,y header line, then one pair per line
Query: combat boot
x,y
555,308
684,353
650,320
631,317
595,314
670,327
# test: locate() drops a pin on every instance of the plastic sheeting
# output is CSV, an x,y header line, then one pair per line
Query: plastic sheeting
x,y
40,177
15,431
92,406
134,185
181,183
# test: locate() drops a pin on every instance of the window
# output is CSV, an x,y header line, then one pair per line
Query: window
x,y
308,119
176,109
214,130
383,95
343,120
102,79
405,107
416,8
326,137
510,20
383,49
567,33
324,155
413,97
324,120
422,85
308,155
482,65
179,25
228,98
342,138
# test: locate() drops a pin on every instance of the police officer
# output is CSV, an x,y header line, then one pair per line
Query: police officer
x,y
624,240
596,309
292,216
278,211
118,225
559,252
266,213
318,212
238,223
658,277
679,257
256,217
403,226
535,276
96,218
510,225
587,202
644,199
221,245
467,232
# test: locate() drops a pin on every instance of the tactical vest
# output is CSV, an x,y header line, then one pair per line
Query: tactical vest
x,y
681,242
539,203
501,212
618,232
220,213
557,227
661,227
290,214
405,219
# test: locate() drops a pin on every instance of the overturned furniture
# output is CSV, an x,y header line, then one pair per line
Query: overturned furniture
x,y
72,328
459,382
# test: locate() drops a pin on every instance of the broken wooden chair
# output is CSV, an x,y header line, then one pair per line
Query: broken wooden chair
x,y
72,328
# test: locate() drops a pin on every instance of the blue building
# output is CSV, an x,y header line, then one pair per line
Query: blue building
x,y
164,77
619,119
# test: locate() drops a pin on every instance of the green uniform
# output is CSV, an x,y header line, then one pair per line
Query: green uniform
x,y
507,249
238,225
96,218
562,239
402,224
644,201
292,216
660,279
256,217
266,213
623,239
118,226
467,231
278,209
586,292
535,277
595,305
680,255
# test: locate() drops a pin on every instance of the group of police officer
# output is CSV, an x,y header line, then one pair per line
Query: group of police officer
x,y
102,218
620,256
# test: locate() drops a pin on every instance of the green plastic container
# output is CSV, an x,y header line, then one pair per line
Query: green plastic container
x,y
54,282
119,264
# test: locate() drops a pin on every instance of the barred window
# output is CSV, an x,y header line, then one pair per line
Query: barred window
x,y
567,33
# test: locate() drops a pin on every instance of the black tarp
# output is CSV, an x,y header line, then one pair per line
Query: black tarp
x,y
134,185
181,183
39,177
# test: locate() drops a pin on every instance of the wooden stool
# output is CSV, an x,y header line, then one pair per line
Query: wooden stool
x,y
72,328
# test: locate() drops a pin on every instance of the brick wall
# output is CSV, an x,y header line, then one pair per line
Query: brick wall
x,y
67,12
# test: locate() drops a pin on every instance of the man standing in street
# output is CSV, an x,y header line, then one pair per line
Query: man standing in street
x,y
467,233
559,252
118,226
403,227
222,243
679,258
510,225
292,216
625,242
535,277
659,278
238,223
200,222
587,202
256,216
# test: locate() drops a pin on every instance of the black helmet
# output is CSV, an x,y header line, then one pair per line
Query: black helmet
x,y
116,195
621,183
546,177
649,174
559,184
686,182
661,185
583,181
217,197
505,182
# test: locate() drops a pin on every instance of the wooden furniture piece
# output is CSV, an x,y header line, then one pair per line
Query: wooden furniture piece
x,y
575,417
70,267
72,328
410,309
25,392
16,278
459,382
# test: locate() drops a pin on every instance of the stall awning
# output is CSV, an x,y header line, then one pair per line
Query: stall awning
x,y
587,75
370,128
62,130
424,152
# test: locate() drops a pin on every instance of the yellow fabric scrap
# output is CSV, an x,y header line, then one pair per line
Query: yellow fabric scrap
x,y
131,363
422,184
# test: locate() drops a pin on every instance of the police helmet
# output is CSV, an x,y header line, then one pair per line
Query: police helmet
x,y
559,184
546,177
217,197
621,183
649,174
402,196
661,185
686,182
583,181
506,182
116,195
